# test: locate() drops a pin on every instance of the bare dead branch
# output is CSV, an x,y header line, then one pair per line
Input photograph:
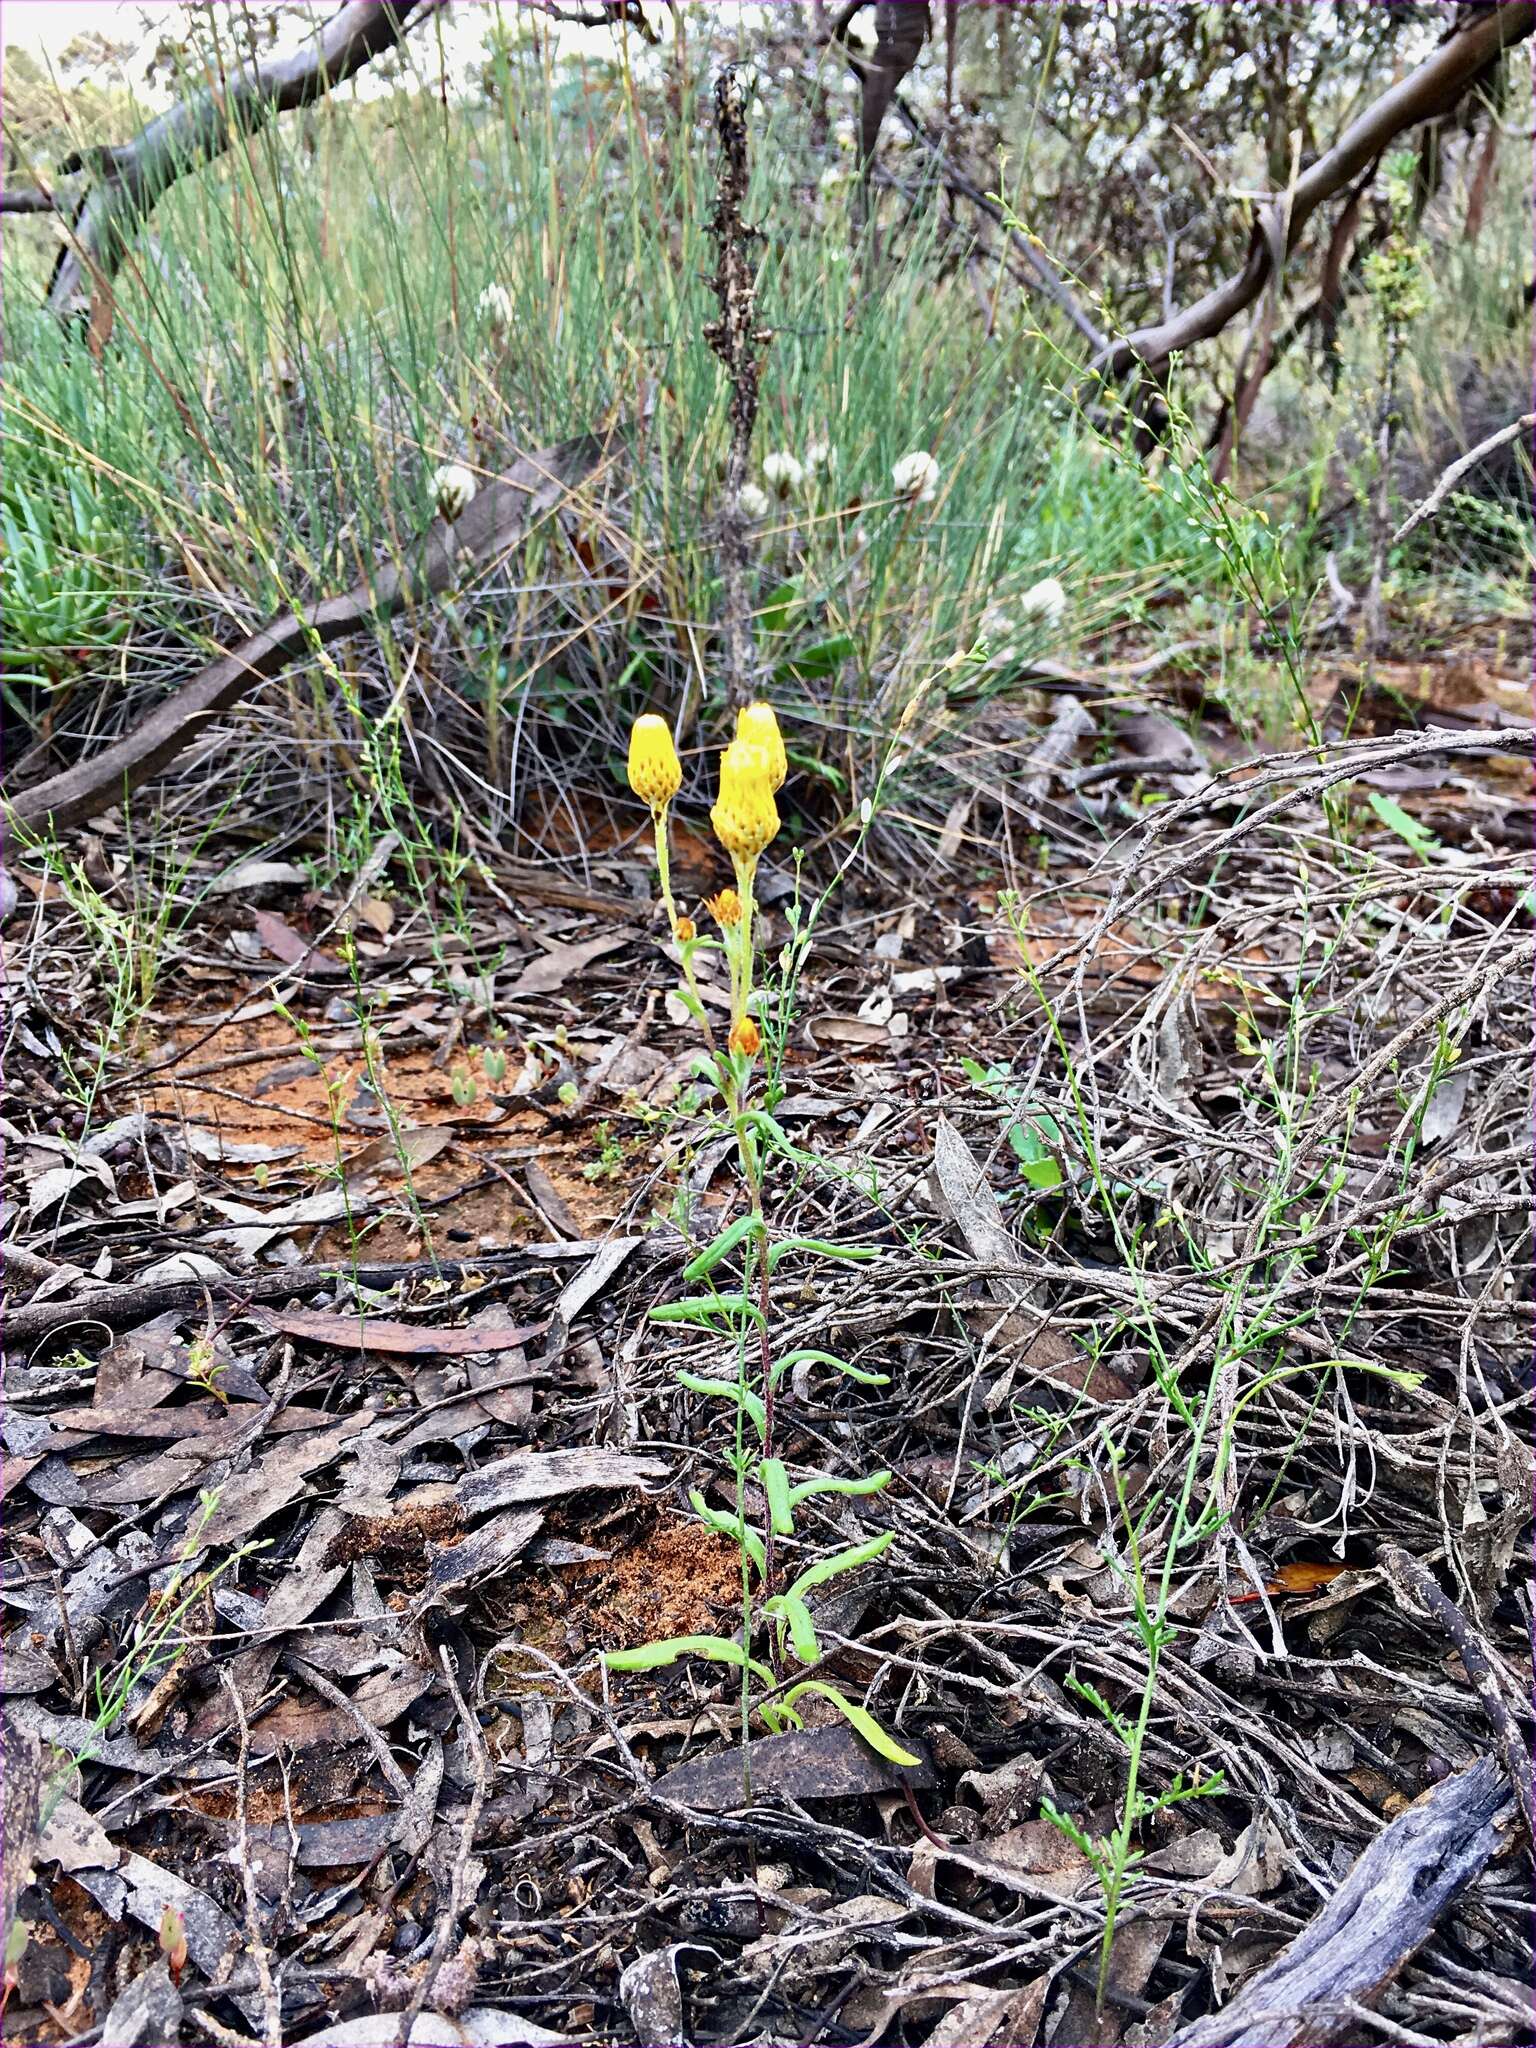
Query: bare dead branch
x,y
1417,1585
133,177
1427,93
901,29
29,199
1458,469
1376,1919
606,14
735,338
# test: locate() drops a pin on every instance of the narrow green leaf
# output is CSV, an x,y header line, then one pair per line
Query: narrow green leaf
x,y
717,1649
705,1308
721,1248
734,1527
852,1372
823,659
1408,829
875,1483
775,1483
729,1390
802,1630
822,1248
865,1723
844,1561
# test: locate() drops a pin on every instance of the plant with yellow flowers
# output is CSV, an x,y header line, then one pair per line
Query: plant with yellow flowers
x,y
774,1600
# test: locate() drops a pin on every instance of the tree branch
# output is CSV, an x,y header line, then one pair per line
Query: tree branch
x,y
135,176
496,519
28,199
1458,469
1425,94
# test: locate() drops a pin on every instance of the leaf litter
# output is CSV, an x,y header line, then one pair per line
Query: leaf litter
x,y
359,1553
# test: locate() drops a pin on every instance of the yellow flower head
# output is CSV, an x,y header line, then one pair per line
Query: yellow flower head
x,y
686,930
759,728
745,1037
655,773
725,908
745,818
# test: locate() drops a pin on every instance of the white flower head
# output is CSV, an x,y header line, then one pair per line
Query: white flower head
x,y
753,502
453,486
782,473
999,629
916,476
1045,600
833,178
820,457
495,305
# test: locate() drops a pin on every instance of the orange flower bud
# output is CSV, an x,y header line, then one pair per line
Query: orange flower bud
x,y
745,1037
686,930
725,908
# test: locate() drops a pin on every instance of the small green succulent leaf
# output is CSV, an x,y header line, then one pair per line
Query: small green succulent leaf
x,y
822,1247
732,1526
858,1718
729,1390
874,1482
811,1357
706,1309
655,1656
775,1484
721,1248
843,1561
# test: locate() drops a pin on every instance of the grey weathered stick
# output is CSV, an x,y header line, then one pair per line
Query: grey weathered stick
x,y
1458,469
453,1907
497,518
1418,1587
271,2003
133,177
1378,1917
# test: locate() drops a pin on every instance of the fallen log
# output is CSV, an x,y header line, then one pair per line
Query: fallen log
x,y
1371,1927
499,516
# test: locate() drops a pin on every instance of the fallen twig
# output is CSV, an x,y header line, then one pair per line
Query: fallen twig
x,y
271,2004
136,1302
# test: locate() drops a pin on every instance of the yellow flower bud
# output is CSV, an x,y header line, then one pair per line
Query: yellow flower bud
x,y
744,818
745,1037
655,773
725,908
759,728
686,930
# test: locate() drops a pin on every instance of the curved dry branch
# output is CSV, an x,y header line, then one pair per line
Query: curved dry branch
x,y
133,178
496,520
1425,94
